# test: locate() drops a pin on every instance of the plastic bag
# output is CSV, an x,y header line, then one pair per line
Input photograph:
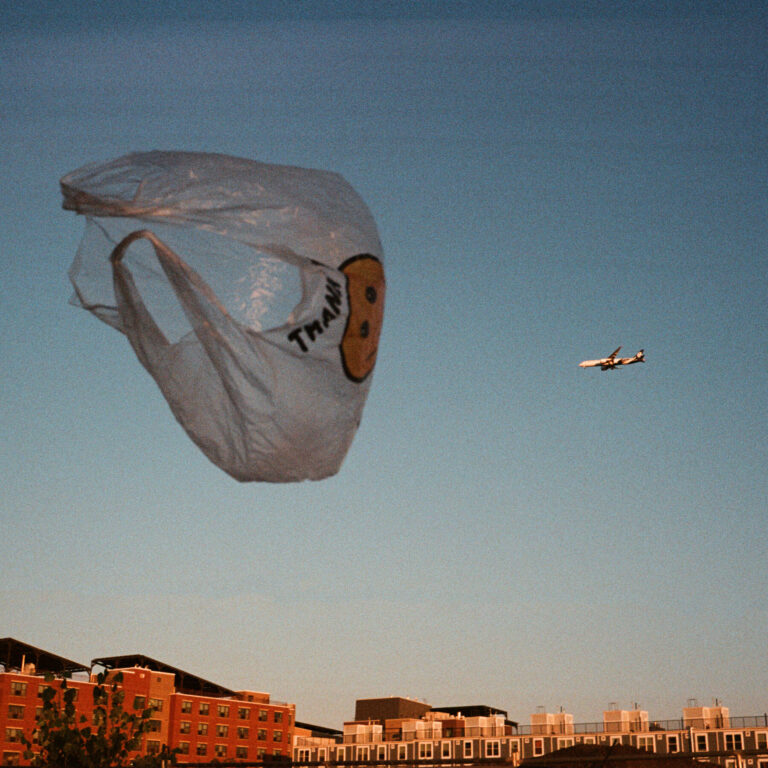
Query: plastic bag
x,y
252,293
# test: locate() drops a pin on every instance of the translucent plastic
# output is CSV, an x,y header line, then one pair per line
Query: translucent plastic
x,y
252,293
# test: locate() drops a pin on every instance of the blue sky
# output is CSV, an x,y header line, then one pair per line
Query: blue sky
x,y
550,180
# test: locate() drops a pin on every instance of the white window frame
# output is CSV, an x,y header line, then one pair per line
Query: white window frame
x,y
445,748
468,752
673,738
492,748
425,750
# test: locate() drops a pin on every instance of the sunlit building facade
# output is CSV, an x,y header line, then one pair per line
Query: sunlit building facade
x,y
202,720
453,734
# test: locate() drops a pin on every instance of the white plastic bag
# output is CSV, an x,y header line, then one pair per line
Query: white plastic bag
x,y
252,293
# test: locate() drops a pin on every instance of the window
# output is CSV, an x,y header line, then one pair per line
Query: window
x,y
261,753
156,704
321,754
202,749
202,729
648,743
276,752
38,713
278,717
733,741
492,749
302,755
11,758
222,731
761,739
277,736
261,735
241,752
244,713
401,752
363,753
242,733
139,702
445,749
13,735
562,743
184,747
15,712
40,689
701,742
222,710
153,747
204,707
673,744
185,726
18,688
381,753
467,749
538,747
220,750
154,726
186,707
263,715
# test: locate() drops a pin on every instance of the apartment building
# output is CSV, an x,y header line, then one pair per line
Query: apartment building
x,y
456,734
203,720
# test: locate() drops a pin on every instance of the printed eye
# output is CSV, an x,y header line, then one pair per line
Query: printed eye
x,y
370,294
365,329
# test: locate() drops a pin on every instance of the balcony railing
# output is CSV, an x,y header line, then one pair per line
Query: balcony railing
x,y
677,724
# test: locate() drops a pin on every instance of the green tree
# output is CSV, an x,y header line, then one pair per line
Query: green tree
x,y
66,740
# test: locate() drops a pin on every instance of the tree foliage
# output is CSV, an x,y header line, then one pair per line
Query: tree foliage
x,y
109,739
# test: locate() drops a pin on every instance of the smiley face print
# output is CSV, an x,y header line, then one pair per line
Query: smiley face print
x,y
365,288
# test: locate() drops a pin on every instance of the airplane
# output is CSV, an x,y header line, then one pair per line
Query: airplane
x,y
611,362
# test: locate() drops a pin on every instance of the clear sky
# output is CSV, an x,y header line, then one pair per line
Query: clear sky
x,y
550,180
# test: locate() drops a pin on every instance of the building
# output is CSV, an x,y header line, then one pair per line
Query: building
x,y
203,720
451,735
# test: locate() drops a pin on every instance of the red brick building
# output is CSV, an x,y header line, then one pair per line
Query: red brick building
x,y
204,720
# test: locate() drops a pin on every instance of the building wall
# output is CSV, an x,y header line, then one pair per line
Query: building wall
x,y
740,742
246,726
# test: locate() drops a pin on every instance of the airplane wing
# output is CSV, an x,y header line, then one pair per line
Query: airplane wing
x,y
614,353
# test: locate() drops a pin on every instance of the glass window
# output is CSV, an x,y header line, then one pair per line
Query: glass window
x,y
156,704
204,707
425,750
278,717
15,712
761,739
277,736
244,713
243,733
13,734
263,715
672,744
202,749
261,734
184,747
492,749
701,741
467,749
185,726
202,729
186,707
733,741
11,758
222,731
139,702
241,752
153,747
220,750
222,710
402,752
538,747
18,688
